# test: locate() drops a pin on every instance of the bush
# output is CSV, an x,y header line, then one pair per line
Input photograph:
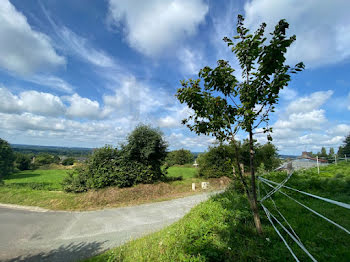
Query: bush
x,y
68,161
217,162
220,160
139,161
23,161
46,159
7,158
179,157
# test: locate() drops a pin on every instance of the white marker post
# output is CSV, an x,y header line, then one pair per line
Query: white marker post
x,y
194,186
346,158
318,166
335,159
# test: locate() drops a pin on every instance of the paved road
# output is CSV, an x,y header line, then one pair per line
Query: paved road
x,y
70,236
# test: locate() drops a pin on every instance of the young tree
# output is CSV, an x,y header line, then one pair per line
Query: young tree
x,y
331,152
223,106
7,158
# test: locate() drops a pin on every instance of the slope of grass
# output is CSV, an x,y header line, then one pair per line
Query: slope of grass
x,y
37,179
43,188
222,229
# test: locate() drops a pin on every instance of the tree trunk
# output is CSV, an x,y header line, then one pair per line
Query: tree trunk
x,y
254,202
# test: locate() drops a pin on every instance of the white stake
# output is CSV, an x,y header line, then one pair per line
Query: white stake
x,y
335,159
318,166
346,158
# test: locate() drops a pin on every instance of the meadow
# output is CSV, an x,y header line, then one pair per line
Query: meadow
x,y
43,188
222,228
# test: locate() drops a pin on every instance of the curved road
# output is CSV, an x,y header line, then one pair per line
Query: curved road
x,y
71,236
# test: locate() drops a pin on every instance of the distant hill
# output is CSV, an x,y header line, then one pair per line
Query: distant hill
x,y
55,150
287,156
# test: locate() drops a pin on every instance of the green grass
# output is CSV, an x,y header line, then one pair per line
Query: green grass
x,y
43,188
185,172
222,229
37,179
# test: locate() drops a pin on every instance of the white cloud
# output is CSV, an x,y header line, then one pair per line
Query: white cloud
x,y
174,118
51,82
193,142
30,101
82,107
288,94
81,47
318,43
136,99
192,61
339,130
303,121
22,49
41,103
309,103
303,126
151,27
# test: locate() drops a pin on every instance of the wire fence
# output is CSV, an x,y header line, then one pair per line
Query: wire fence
x,y
285,225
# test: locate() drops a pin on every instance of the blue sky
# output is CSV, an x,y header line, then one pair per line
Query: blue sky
x,y
85,73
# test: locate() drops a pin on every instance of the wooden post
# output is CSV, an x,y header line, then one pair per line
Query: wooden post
x,y
194,186
346,158
318,166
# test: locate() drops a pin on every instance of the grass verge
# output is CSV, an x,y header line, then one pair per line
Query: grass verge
x,y
221,229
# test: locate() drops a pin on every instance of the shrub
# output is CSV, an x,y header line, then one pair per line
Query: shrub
x,y
139,161
23,161
68,161
217,162
46,159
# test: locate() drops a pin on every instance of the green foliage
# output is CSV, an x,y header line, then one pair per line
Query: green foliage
x,y
345,149
179,157
139,161
23,161
7,158
331,152
323,153
46,159
69,161
217,162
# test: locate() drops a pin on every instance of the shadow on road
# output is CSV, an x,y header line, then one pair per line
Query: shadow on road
x,y
71,252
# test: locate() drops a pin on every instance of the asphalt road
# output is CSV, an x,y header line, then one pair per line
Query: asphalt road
x,y
70,236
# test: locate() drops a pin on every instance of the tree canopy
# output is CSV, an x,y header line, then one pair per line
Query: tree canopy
x,y
7,158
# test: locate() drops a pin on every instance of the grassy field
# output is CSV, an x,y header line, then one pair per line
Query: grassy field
x,y
43,188
221,229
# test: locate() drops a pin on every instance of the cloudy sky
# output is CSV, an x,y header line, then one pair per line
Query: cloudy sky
x,y
84,73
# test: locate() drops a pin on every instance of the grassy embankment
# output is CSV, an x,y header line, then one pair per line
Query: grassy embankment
x,y
43,188
221,229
